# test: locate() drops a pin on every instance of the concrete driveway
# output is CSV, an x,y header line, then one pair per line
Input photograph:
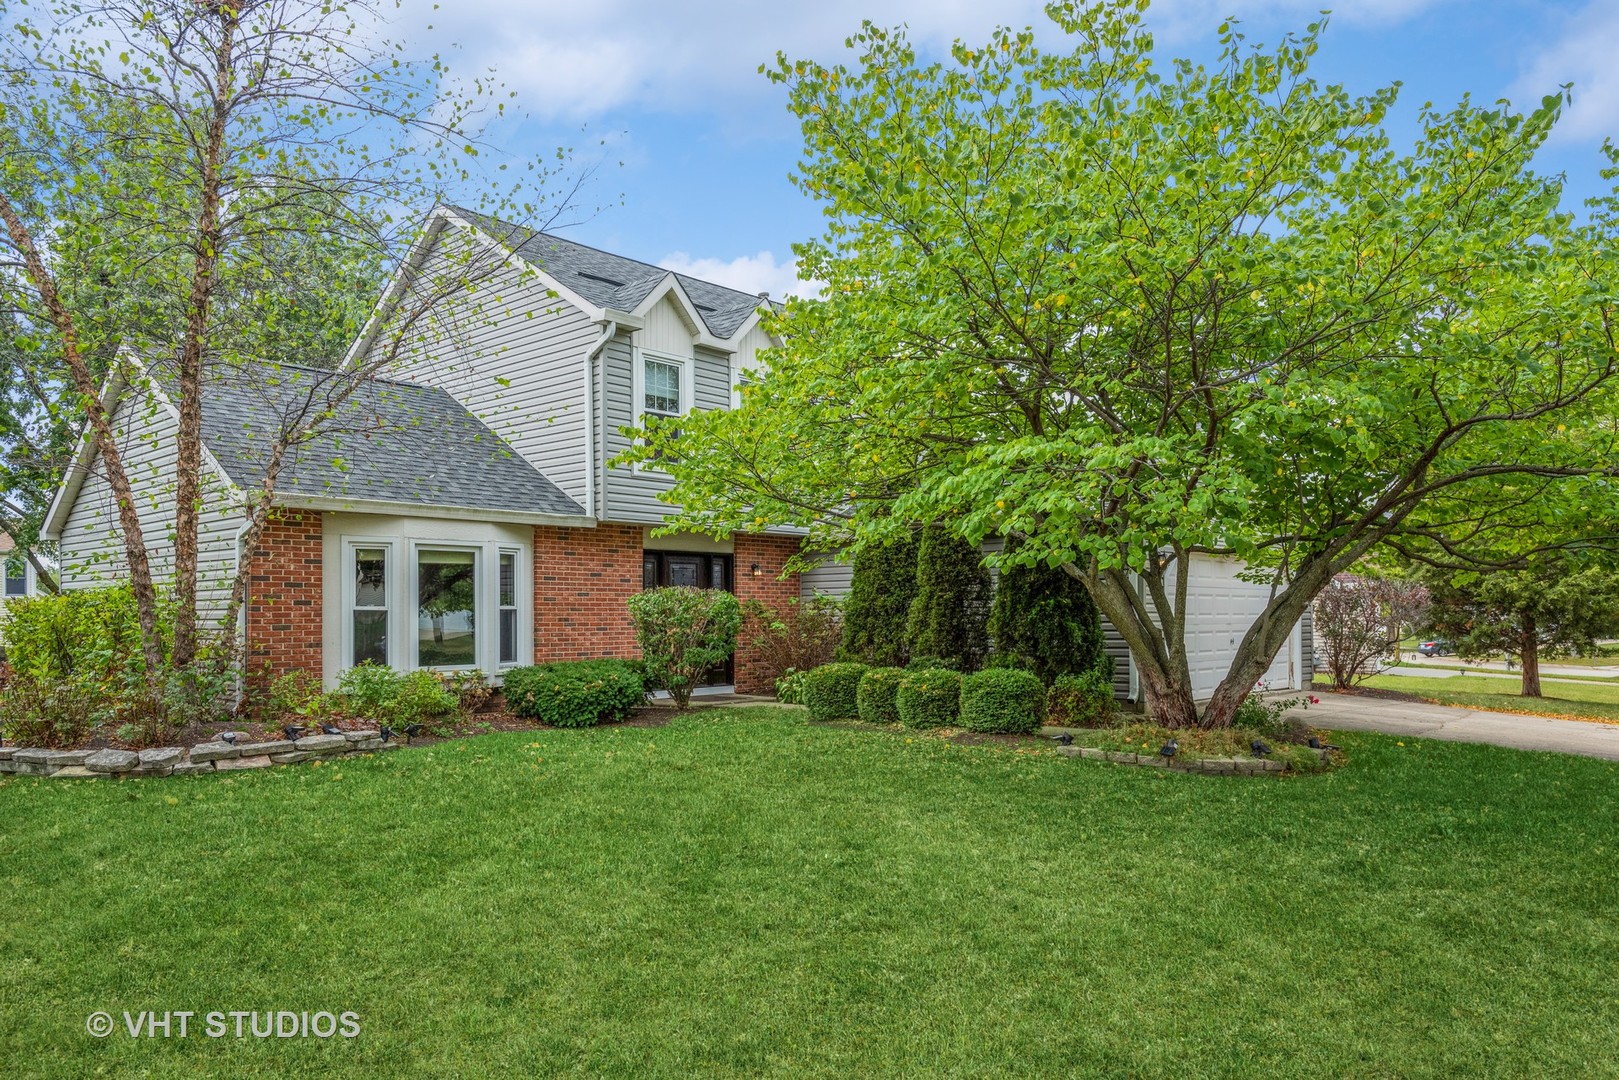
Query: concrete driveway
x,y
1342,712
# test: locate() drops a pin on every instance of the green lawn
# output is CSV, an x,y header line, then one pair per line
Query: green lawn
x,y
745,894
1583,700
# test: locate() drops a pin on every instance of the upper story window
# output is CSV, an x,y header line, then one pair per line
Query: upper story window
x,y
662,382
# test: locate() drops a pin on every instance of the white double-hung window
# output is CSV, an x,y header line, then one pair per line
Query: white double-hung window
x,y
451,604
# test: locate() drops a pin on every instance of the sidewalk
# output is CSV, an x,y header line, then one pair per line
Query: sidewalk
x,y
1485,667
1342,712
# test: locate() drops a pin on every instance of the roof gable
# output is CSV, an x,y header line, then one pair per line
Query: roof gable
x,y
616,282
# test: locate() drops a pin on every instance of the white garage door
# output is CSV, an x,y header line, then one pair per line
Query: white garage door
x,y
1220,608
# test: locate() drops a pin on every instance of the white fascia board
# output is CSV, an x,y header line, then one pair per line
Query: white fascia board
x,y
670,286
292,501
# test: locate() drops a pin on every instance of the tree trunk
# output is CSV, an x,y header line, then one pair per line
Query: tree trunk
x,y
188,462
1529,654
1169,701
101,431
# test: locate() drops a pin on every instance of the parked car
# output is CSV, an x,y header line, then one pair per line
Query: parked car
x,y
1435,648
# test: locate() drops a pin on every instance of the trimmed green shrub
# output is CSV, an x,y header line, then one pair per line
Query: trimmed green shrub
x,y
1044,621
831,691
1003,700
684,633
575,693
875,699
1083,700
929,698
948,616
378,693
879,603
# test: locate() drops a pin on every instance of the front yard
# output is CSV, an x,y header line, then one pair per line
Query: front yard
x,y
744,893
1568,698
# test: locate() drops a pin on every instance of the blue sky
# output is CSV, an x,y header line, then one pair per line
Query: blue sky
x,y
695,148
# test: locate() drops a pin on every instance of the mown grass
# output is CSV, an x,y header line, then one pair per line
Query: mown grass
x,y
1576,700
744,894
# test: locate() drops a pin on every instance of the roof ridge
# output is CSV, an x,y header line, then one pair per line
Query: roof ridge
x,y
660,270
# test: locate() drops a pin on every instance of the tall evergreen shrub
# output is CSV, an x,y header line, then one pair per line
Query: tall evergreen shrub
x,y
949,615
879,603
1044,621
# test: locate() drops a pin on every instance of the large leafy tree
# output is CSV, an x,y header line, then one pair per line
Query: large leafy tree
x,y
1134,314
199,183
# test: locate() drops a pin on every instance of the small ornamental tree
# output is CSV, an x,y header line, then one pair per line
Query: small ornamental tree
x,y
1044,621
1358,618
949,615
879,603
684,633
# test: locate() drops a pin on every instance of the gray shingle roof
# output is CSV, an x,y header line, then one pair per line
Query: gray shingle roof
x,y
613,281
388,441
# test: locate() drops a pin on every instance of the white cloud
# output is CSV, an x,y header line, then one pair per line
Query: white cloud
x,y
573,60
1586,56
749,273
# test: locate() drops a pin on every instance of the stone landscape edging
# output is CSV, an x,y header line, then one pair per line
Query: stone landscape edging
x,y
1239,766
178,761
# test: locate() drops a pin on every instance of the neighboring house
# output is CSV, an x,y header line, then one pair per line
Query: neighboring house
x,y
464,512
19,573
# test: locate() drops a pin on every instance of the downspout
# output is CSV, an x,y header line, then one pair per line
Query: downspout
x,y
609,332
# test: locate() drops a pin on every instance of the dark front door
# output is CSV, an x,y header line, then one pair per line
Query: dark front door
x,y
660,568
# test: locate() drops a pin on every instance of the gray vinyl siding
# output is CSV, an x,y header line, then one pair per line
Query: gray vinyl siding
x,y
631,495
1307,644
92,546
514,357
830,578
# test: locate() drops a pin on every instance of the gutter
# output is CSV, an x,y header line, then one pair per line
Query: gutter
x,y
609,332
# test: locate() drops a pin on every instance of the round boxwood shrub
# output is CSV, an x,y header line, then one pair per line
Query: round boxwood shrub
x,y
929,698
876,697
1003,700
1083,700
576,693
831,691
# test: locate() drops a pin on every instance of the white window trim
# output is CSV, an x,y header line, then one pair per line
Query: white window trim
x,y
520,589
404,586
688,388
352,544
483,595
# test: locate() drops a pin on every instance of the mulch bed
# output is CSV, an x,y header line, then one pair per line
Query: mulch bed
x,y
492,718
1374,692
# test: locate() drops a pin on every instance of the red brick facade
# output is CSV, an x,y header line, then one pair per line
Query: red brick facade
x,y
284,612
769,554
582,581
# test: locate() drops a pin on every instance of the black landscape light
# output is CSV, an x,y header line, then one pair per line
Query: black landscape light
x,y
1170,749
1259,747
330,730
412,730
292,731
387,733
1064,739
1315,743
228,737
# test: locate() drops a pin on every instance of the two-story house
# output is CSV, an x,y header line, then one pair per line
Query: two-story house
x,y
466,509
